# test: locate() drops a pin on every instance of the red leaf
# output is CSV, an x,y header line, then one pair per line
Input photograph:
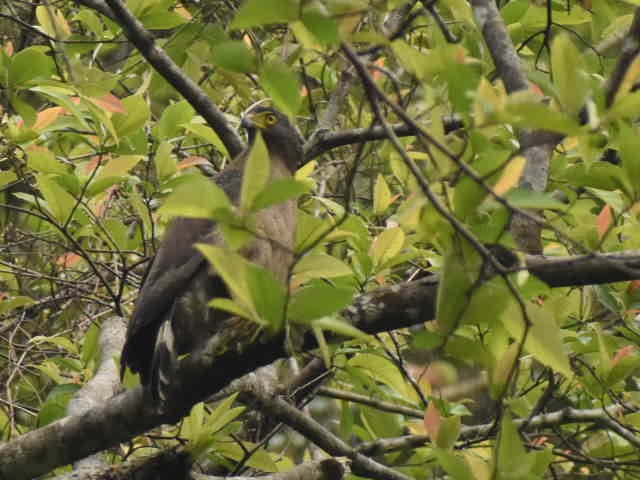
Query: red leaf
x,y
110,103
94,163
623,352
605,220
432,420
47,116
375,73
67,260
191,161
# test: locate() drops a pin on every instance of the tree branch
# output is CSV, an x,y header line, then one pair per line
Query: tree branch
x,y
104,384
630,50
165,66
228,356
328,469
170,464
560,417
535,146
286,413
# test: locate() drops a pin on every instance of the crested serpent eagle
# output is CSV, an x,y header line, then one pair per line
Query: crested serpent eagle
x,y
171,316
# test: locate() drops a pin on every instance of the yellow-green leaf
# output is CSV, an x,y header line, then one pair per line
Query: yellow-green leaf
x,y
544,340
119,166
59,202
320,265
256,173
381,196
387,245
569,76
165,164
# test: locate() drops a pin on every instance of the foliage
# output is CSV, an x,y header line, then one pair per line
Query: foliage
x,y
98,152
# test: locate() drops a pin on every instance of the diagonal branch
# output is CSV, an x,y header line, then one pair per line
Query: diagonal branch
x,y
630,50
165,66
536,146
228,356
286,413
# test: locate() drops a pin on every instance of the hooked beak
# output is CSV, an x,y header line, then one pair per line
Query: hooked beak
x,y
247,122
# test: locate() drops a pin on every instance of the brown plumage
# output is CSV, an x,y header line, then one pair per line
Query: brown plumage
x,y
171,316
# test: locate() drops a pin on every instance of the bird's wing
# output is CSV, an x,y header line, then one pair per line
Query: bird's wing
x,y
176,263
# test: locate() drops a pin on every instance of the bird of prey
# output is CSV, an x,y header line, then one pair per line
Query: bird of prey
x,y
171,316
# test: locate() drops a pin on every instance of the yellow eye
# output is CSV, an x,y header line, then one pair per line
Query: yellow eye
x,y
271,119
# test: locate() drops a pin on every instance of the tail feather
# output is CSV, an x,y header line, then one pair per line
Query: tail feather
x,y
163,362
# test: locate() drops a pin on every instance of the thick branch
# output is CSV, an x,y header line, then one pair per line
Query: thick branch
x,y
328,469
166,67
171,464
104,384
228,356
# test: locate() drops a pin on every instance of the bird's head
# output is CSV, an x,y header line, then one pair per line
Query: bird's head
x,y
282,138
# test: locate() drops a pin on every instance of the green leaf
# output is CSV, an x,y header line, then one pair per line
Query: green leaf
x,y
453,464
381,196
55,406
383,370
90,344
223,414
512,459
231,307
29,64
256,173
538,115
544,340
317,300
339,327
208,134
459,273
119,166
279,191
165,164
58,201
283,86
186,199
569,76
192,426
231,267
387,245
422,64
448,432
524,198
172,120
43,160
59,341
267,296
6,177
264,12
137,115
323,28
234,56
25,110
320,265
9,304
427,340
